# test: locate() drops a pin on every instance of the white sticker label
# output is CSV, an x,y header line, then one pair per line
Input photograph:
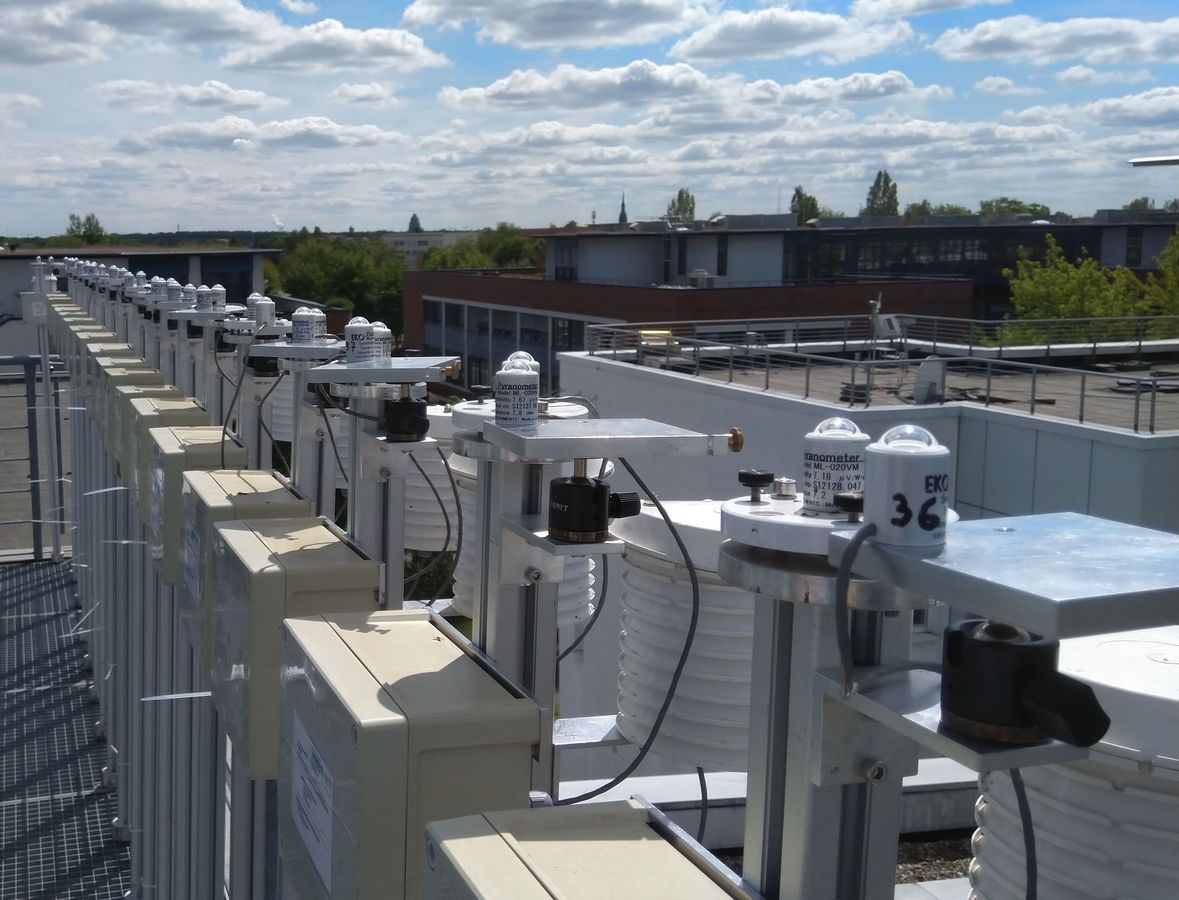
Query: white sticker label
x,y
311,801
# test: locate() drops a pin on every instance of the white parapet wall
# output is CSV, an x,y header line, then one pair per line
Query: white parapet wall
x,y
1007,462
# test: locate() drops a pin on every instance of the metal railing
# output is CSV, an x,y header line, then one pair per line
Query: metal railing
x,y
1137,402
932,334
17,389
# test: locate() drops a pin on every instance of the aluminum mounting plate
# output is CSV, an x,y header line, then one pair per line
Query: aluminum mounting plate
x,y
206,317
534,530
910,704
599,438
1060,575
319,350
389,370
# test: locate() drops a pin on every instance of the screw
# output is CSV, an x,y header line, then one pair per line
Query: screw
x,y
736,439
534,574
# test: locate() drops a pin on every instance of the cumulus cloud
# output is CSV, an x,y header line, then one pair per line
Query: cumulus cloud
x,y
1097,40
369,92
894,9
329,45
779,32
188,21
643,82
236,133
558,23
11,104
150,97
36,34
299,7
1086,75
1000,84
1158,107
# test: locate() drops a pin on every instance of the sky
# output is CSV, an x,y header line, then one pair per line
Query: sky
x,y
256,114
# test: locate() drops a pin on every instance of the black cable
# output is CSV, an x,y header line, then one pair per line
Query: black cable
x,y
277,381
233,400
1029,834
332,437
593,616
842,615
676,675
458,506
412,582
703,805
275,448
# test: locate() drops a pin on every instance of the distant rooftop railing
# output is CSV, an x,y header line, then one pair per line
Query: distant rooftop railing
x,y
865,361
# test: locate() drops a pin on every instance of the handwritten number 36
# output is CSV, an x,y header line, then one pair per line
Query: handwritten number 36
x,y
926,519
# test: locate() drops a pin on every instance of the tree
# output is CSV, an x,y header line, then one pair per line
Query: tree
x,y
804,206
1139,204
826,212
509,247
997,206
415,225
682,207
88,230
1171,205
1057,288
462,254
952,209
882,196
365,271
918,210
273,277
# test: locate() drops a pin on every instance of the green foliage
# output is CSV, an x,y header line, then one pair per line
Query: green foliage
x,y
1139,204
1009,205
682,207
925,208
826,212
882,196
1171,205
803,205
415,225
917,210
88,230
510,247
273,277
1058,288
572,223
365,272
462,254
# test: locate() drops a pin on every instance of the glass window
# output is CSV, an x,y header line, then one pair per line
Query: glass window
x,y
534,339
870,256
477,362
1134,247
975,249
722,254
950,250
565,259
453,340
504,338
432,336
568,334
681,255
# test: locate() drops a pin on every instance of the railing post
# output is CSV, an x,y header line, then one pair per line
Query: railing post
x,y
696,351
34,459
767,387
935,326
869,383
806,391
1081,411
1032,400
730,363
990,369
851,391
1154,394
1137,402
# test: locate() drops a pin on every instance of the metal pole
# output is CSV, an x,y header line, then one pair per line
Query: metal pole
x,y
1154,393
1081,411
1137,402
34,463
1032,402
767,387
51,422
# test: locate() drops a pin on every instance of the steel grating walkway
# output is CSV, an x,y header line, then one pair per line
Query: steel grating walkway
x,y
55,837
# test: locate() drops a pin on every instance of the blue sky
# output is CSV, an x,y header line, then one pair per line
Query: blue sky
x,y
234,114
